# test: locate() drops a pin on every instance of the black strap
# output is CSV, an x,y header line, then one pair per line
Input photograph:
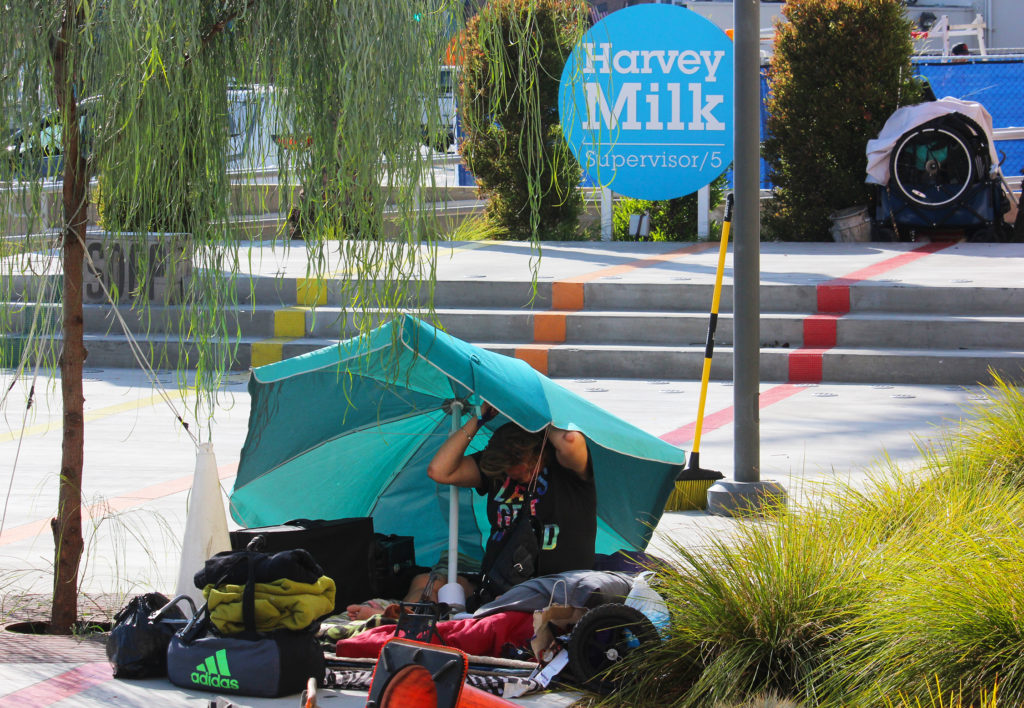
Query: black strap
x,y
249,596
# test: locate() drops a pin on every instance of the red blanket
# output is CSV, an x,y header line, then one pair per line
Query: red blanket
x,y
482,637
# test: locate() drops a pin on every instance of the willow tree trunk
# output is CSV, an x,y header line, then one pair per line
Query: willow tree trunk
x,y
67,525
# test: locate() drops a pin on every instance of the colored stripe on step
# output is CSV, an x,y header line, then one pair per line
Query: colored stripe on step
x,y
534,355
807,364
834,295
267,351
310,291
567,296
290,322
549,327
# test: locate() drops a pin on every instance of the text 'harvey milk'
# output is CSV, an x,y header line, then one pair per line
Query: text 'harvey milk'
x,y
687,105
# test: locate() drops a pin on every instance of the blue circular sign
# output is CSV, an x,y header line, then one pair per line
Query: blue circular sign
x,y
646,101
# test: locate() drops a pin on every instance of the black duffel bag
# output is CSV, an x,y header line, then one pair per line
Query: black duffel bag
x,y
250,664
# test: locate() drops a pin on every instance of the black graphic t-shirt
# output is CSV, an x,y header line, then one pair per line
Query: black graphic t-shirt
x,y
566,507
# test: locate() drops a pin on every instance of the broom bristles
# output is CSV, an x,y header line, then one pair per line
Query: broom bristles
x,y
689,495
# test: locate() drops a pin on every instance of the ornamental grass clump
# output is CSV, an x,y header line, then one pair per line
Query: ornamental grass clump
x,y
950,616
758,613
903,592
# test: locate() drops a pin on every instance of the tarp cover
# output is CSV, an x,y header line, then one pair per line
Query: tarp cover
x,y
907,118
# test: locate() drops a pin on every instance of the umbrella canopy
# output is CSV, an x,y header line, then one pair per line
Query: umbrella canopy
x,y
348,430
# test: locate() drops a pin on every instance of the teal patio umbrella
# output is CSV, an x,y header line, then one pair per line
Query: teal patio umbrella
x,y
348,431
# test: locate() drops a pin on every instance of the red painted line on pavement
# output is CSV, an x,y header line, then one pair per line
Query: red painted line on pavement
x,y
834,295
806,364
120,503
683,435
52,690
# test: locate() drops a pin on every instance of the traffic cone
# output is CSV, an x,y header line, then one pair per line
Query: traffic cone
x,y
206,525
412,674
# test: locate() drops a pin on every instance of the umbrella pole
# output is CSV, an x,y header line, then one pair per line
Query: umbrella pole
x,y
452,593
453,508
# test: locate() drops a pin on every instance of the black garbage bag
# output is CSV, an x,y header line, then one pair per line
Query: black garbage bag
x,y
137,645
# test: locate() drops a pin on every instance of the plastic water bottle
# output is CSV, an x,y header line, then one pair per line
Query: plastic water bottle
x,y
644,598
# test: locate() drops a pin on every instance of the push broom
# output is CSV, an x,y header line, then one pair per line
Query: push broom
x,y
693,482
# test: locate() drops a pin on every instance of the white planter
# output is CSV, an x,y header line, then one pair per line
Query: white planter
x,y
119,258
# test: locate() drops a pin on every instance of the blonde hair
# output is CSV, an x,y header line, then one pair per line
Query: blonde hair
x,y
509,446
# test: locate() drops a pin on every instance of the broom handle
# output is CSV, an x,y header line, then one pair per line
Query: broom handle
x,y
709,347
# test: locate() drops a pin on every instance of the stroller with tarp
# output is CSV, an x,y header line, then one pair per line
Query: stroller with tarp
x,y
937,174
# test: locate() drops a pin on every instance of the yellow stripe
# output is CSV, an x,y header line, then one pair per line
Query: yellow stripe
x,y
290,322
268,351
310,291
97,414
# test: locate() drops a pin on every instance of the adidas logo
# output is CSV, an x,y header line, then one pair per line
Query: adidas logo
x,y
214,672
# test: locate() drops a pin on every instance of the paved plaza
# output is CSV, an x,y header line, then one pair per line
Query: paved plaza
x,y
139,464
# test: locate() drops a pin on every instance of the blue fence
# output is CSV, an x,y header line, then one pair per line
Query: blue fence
x,y
996,84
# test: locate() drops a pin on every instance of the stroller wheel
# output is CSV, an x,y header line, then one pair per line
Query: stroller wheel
x,y
601,639
933,165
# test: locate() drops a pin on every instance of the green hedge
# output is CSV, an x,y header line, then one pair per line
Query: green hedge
x,y
840,68
514,53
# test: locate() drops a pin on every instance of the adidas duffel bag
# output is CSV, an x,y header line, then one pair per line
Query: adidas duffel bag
x,y
270,665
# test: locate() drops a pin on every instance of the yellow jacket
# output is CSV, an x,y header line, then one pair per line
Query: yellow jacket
x,y
281,604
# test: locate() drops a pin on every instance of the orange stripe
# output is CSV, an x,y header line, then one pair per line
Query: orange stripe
x,y
125,501
534,355
549,327
566,295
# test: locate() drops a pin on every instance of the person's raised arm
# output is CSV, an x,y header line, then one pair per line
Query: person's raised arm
x,y
571,450
450,464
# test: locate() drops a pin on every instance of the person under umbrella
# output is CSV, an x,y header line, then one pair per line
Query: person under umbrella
x,y
550,469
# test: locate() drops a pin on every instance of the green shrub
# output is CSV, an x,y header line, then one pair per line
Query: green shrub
x,y
514,54
840,68
671,219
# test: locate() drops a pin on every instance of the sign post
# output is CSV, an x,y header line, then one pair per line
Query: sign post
x,y
747,493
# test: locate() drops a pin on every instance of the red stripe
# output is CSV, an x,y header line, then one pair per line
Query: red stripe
x,y
61,686
806,364
683,435
820,331
834,298
834,295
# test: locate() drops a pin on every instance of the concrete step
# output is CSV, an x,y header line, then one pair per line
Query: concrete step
x,y
781,330
840,364
482,291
